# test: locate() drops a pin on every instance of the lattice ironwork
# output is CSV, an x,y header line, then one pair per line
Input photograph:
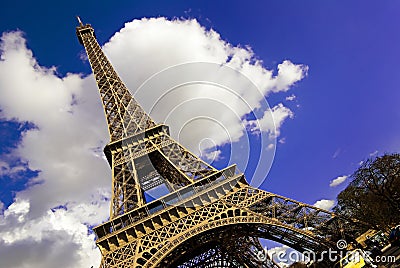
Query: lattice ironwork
x,y
210,218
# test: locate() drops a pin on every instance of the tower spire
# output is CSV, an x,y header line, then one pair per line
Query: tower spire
x,y
79,20
125,117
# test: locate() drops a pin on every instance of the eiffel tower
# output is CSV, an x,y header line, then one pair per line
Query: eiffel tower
x,y
209,218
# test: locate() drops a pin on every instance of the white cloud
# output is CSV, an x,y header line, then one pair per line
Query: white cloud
x,y
339,180
156,44
324,204
18,209
57,237
291,97
61,147
288,74
70,128
272,120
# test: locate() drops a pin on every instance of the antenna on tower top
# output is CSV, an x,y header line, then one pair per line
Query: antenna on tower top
x,y
79,20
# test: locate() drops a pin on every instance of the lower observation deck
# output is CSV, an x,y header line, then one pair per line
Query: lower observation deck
x,y
138,222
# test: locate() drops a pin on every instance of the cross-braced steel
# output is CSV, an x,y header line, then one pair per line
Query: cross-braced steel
x,y
210,218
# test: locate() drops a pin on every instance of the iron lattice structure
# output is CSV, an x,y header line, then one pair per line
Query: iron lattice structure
x,y
210,218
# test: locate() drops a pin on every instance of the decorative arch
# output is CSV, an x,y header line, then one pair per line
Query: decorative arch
x,y
254,226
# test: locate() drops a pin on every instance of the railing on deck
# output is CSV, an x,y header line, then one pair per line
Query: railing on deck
x,y
166,201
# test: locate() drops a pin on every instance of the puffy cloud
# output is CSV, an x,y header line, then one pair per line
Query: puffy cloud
x,y
288,74
54,213
154,45
66,115
339,180
272,120
18,210
58,237
324,204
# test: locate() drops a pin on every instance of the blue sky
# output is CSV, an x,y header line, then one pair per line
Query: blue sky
x,y
345,109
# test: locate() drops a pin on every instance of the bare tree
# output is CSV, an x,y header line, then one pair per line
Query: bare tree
x,y
373,196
